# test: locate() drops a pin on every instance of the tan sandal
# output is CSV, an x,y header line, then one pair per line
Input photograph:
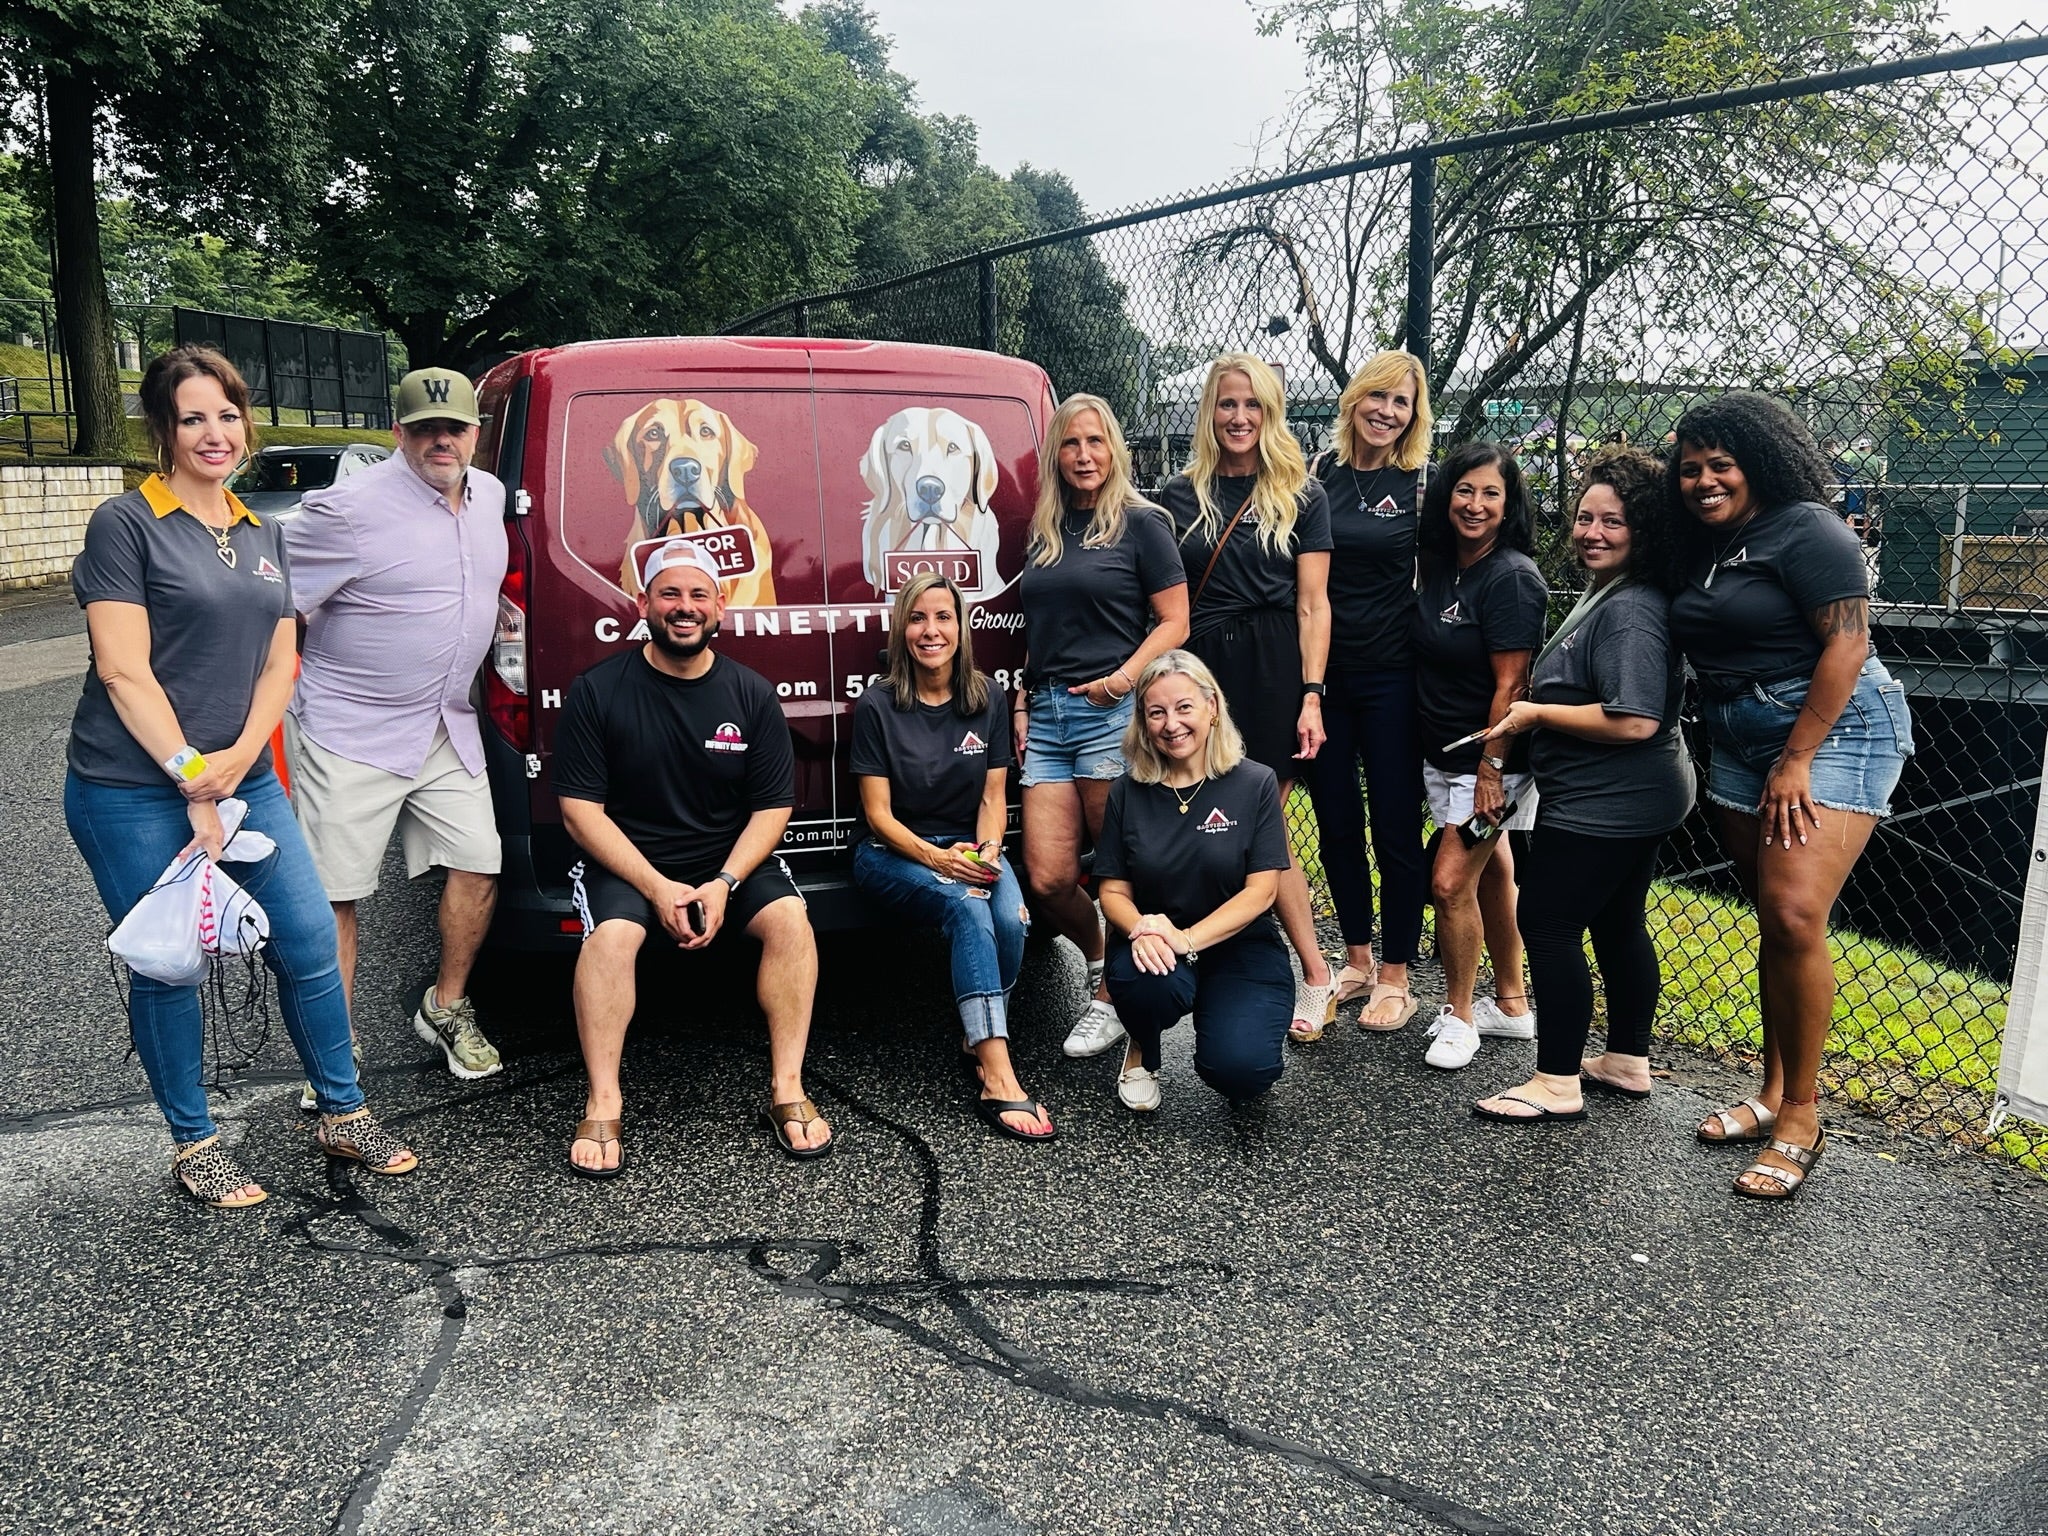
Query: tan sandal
x,y
358,1138
778,1117
1727,1128
207,1173
1789,1180
1382,992
1351,981
604,1133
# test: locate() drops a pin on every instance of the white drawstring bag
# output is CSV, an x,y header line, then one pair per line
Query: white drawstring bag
x,y
196,910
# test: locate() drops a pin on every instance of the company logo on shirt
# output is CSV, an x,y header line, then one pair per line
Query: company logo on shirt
x,y
1740,557
1216,822
727,738
1449,615
1387,507
971,743
268,571
1568,641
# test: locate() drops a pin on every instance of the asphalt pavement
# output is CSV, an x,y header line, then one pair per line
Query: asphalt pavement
x,y
1353,1308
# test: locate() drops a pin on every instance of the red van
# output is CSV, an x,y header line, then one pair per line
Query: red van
x,y
819,474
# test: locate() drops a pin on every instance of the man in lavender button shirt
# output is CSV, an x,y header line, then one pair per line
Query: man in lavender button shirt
x,y
396,571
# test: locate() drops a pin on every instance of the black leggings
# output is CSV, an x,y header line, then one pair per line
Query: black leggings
x,y
1573,884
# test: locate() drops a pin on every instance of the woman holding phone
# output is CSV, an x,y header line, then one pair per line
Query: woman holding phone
x,y
931,749
1478,619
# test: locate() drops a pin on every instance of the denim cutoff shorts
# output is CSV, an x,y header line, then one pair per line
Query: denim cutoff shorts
x,y
1070,739
1858,764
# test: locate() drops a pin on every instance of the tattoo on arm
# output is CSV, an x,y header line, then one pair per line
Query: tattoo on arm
x,y
1850,616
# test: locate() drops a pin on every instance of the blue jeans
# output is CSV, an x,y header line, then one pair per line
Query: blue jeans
x,y
984,924
1241,994
1859,761
127,835
1073,739
1370,719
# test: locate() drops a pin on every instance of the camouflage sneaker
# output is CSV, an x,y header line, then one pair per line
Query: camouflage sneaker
x,y
454,1029
309,1105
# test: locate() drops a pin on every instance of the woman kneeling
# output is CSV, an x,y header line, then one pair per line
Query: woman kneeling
x,y
1193,844
931,747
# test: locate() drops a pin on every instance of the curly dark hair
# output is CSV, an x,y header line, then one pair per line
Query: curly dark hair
x,y
1655,534
1778,455
1433,528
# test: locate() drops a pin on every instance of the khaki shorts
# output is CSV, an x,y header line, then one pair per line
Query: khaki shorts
x,y
1450,796
347,810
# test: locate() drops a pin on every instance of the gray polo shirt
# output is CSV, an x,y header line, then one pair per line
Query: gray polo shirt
x,y
210,626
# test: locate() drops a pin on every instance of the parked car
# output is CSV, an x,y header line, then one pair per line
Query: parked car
x,y
820,474
273,481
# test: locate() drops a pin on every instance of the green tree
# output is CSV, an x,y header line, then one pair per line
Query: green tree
x,y
1075,323
24,255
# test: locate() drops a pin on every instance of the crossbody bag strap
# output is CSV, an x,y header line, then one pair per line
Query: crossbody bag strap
x,y
1217,553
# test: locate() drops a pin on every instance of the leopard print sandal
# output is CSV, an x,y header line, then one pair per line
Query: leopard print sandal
x,y
358,1138
207,1173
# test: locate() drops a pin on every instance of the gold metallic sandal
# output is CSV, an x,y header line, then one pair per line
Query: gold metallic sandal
x,y
1789,1180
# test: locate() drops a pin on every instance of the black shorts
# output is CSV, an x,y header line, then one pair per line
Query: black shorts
x,y
602,896
1257,661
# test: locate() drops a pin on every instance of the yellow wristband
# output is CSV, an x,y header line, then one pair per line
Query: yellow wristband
x,y
185,764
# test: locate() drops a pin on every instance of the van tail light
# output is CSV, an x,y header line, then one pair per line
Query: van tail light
x,y
505,679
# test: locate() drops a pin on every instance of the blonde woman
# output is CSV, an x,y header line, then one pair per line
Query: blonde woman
x,y
1103,593
1192,853
1254,531
1373,477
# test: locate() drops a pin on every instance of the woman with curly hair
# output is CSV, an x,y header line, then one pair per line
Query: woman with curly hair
x,y
1807,733
1254,532
1613,782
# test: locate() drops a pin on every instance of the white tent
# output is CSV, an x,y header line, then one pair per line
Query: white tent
x,y
2023,1059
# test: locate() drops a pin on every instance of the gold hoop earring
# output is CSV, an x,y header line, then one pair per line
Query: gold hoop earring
x,y
164,464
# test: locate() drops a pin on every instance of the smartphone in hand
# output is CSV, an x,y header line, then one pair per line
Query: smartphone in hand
x,y
693,915
1476,829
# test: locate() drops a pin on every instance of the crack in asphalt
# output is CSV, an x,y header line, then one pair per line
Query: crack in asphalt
x,y
881,1302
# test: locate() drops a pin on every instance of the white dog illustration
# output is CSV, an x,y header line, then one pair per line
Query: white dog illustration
x,y
930,473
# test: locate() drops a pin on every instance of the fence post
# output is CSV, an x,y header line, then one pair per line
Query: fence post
x,y
803,319
989,317
1421,255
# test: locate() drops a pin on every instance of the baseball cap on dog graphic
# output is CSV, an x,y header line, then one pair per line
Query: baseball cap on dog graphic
x,y
657,555
436,394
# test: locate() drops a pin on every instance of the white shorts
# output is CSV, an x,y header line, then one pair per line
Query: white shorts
x,y
347,810
1450,796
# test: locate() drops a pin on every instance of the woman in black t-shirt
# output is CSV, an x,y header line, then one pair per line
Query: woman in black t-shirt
x,y
1478,619
1807,733
1254,530
1602,721
1189,866
931,748
1103,593
1373,478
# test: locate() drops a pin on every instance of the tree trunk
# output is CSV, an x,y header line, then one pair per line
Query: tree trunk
x,y
83,312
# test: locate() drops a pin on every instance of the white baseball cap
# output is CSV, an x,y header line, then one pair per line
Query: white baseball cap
x,y
653,556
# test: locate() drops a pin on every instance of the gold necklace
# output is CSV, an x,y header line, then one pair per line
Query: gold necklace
x,y
221,546
1194,789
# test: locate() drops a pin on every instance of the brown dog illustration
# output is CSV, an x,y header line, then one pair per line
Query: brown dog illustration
x,y
684,468
930,473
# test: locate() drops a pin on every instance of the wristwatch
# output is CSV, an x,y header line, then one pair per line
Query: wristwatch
x,y
732,881
1498,764
1317,689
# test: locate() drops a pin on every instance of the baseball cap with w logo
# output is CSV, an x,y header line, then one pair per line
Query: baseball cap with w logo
x,y
436,394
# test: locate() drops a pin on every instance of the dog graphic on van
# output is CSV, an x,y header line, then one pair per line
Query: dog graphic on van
x,y
930,473
683,466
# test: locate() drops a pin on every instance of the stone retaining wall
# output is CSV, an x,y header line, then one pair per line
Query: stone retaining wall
x,y
43,508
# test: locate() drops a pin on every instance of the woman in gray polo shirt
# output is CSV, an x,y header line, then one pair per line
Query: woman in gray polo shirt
x,y
1613,781
187,597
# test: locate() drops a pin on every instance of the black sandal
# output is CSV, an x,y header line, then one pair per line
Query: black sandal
x,y
778,1117
993,1110
205,1172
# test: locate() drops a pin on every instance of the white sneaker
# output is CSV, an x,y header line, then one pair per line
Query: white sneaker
x,y
1095,1031
1489,1020
1138,1089
1453,1042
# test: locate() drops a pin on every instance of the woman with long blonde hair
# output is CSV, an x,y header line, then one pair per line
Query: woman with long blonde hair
x,y
1254,532
1373,476
1192,853
1103,593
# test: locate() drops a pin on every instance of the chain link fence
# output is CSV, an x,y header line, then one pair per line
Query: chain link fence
x,y
1869,245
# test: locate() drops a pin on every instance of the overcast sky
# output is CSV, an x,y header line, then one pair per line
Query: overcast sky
x,y
1136,100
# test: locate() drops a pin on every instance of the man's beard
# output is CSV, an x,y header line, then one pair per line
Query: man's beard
x,y
669,645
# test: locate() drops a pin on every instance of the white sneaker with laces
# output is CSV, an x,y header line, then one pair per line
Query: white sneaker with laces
x,y
1489,1020
1138,1089
1453,1042
1095,1031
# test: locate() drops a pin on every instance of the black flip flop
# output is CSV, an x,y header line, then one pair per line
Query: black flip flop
x,y
1542,1115
1588,1080
993,1110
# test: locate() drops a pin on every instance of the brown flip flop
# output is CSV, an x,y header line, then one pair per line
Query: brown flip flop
x,y
601,1132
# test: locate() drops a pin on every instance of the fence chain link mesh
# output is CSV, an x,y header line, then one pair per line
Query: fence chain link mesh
x,y
1871,248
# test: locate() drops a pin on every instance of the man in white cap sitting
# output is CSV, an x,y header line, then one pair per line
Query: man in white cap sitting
x,y
676,777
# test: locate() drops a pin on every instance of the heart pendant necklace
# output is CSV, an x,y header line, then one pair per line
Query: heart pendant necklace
x,y
221,546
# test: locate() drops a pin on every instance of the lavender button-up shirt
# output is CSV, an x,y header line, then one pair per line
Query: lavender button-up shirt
x,y
400,595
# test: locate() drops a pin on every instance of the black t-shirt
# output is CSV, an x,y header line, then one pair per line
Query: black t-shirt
x,y
680,764
1750,625
937,760
1188,865
1372,568
1248,577
1622,659
1461,620
1088,612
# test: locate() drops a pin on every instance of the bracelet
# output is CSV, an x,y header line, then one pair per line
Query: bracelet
x,y
1130,682
1114,696
1189,935
185,764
